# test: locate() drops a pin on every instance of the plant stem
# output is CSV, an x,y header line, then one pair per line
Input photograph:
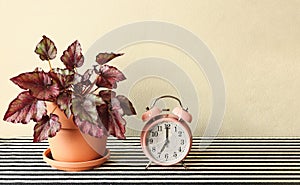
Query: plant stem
x,y
90,87
50,65
94,90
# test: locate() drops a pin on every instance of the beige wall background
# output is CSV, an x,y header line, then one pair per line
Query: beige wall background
x,y
255,42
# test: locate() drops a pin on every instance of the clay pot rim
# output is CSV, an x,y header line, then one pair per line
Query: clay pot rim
x,y
74,166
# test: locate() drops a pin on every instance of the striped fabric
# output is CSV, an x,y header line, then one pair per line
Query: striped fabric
x,y
226,160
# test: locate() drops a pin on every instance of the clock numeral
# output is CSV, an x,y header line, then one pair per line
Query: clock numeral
x,y
182,142
166,156
153,149
159,128
175,155
179,133
175,128
180,149
150,141
154,133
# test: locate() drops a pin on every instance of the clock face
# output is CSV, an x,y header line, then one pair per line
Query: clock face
x,y
167,141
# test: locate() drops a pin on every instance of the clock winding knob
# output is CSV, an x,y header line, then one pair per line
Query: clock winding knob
x,y
182,114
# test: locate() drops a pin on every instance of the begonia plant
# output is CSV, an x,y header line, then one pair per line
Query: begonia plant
x,y
87,98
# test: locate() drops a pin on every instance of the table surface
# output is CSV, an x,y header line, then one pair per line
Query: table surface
x,y
225,160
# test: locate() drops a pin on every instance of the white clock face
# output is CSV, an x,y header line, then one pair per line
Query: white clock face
x,y
168,142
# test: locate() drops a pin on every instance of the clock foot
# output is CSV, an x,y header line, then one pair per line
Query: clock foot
x,y
148,165
185,167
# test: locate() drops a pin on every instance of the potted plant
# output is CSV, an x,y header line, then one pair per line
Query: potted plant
x,y
66,105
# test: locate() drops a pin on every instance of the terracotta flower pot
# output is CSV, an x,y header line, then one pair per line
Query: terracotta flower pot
x,y
70,145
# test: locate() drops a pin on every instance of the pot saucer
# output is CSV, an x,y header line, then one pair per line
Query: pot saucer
x,y
74,166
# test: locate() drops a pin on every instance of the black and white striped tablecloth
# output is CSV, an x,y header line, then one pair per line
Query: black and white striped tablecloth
x,y
225,160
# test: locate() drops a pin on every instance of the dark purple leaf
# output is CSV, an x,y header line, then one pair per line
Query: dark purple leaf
x,y
24,108
103,58
87,75
63,77
85,78
78,86
89,128
111,117
39,83
72,57
104,114
46,49
47,127
82,83
109,76
64,102
85,112
107,95
126,105
117,128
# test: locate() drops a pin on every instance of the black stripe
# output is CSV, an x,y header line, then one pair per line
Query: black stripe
x,y
171,173
148,170
167,183
103,178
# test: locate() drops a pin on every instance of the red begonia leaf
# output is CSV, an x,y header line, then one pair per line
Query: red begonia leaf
x,y
103,58
107,95
63,77
109,76
87,127
87,75
119,122
47,127
24,108
39,83
103,112
126,105
72,57
84,79
46,49
85,113
111,118
64,102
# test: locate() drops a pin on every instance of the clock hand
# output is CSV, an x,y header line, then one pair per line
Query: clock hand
x,y
167,127
164,146
167,133
167,140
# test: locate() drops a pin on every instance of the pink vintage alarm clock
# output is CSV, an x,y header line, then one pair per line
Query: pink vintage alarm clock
x,y
166,138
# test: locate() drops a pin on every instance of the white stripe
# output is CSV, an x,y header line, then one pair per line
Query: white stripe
x,y
144,159
152,181
190,176
140,153
190,164
251,138
202,157
195,146
113,172
160,168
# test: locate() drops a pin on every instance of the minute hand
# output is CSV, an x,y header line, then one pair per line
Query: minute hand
x,y
164,146
167,134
